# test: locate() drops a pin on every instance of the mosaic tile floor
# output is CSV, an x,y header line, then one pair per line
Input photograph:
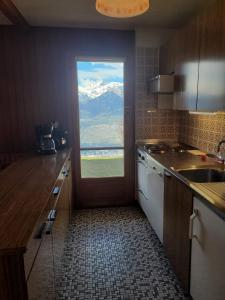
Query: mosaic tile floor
x,y
113,253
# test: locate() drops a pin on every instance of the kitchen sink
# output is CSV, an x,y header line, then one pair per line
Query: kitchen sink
x,y
203,175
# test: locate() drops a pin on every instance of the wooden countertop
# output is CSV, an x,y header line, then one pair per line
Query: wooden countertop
x,y
213,192
25,187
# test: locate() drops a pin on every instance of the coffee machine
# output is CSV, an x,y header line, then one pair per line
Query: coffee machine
x,y
46,144
60,136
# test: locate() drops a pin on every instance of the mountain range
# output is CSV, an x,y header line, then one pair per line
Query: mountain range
x,y
101,115
95,89
109,100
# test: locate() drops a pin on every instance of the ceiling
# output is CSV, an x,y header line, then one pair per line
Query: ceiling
x,y
4,20
82,13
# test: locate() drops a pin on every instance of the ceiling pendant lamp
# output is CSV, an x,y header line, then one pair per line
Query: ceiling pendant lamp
x,y
122,8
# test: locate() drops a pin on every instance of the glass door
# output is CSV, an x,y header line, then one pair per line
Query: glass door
x,y
101,118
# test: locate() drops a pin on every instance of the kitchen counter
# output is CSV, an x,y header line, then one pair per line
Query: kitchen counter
x,y
213,193
25,187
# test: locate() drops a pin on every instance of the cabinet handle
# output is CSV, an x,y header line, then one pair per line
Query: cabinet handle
x,y
192,217
51,222
39,233
65,173
49,227
167,174
52,215
56,190
141,162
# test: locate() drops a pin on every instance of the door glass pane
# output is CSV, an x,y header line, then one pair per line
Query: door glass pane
x,y
101,103
101,112
102,163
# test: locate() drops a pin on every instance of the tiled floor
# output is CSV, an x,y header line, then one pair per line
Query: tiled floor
x,y
113,253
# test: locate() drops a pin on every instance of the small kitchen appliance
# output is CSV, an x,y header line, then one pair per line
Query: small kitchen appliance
x,y
60,136
46,144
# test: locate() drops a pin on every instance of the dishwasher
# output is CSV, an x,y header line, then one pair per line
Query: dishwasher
x,y
151,190
155,194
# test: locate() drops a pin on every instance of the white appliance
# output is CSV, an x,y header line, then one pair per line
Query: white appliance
x,y
162,84
151,190
207,231
142,165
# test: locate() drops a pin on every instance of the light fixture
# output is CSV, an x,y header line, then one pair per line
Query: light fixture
x,y
203,113
122,8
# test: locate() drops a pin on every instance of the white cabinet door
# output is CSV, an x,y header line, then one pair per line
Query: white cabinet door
x,y
155,194
208,255
142,177
156,204
144,203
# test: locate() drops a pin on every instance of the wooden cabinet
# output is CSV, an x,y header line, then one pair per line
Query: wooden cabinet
x,y
186,69
60,226
27,265
41,282
211,87
207,259
178,77
177,210
167,56
196,54
51,232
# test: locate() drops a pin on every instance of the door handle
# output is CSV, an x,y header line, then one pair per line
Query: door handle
x,y
191,224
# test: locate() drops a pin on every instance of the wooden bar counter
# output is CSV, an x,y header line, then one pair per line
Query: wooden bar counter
x,y
35,205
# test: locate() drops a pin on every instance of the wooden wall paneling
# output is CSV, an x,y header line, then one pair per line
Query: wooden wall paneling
x,y
12,13
33,65
38,84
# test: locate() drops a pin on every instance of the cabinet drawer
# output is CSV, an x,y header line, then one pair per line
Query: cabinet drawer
x,y
41,282
34,243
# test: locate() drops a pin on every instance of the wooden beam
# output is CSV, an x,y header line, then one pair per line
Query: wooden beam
x,y
12,13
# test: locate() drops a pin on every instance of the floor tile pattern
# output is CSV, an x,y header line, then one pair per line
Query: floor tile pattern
x,y
113,253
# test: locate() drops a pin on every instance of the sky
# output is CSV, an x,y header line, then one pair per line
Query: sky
x,y
91,72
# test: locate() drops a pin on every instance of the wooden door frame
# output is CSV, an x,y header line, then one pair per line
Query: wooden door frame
x,y
129,162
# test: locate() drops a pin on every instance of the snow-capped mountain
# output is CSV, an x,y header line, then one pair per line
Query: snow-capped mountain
x,y
95,89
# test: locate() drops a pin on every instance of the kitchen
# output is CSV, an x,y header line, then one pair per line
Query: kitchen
x,y
66,235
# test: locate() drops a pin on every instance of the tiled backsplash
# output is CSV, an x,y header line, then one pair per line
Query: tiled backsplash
x,y
159,124
202,131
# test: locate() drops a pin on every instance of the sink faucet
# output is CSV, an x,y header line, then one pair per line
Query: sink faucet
x,y
219,154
